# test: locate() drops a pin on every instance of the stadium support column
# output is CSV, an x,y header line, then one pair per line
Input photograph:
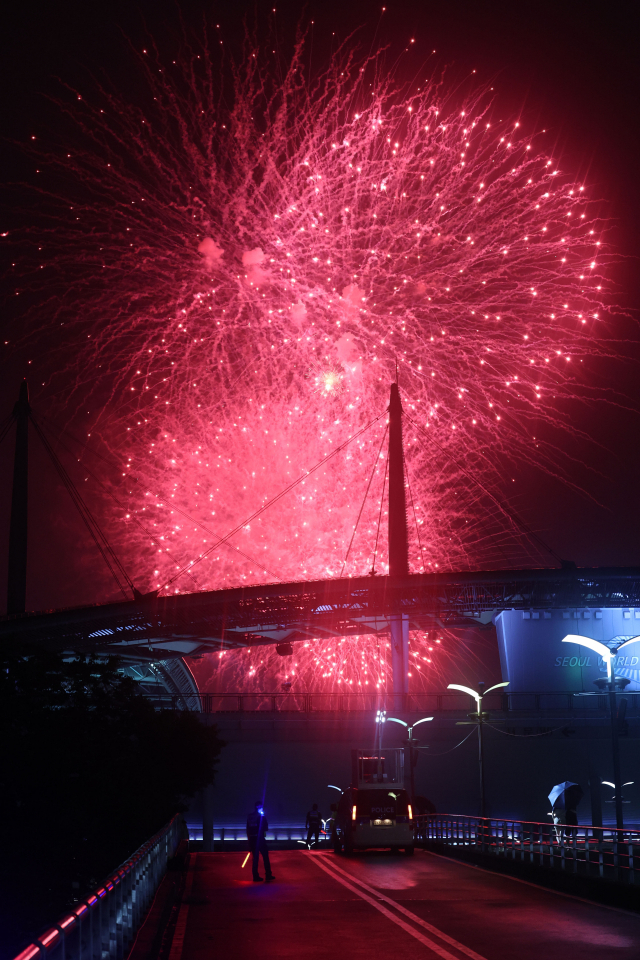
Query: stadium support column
x,y
398,547
17,577
207,819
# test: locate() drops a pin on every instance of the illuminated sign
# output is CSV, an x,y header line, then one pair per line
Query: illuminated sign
x,y
617,662
534,658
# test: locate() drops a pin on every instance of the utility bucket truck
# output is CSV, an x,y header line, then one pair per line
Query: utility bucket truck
x,y
375,811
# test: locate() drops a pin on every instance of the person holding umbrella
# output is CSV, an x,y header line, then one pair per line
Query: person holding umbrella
x,y
564,798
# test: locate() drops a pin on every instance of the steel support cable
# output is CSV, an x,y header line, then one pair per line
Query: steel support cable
x,y
524,736
512,516
279,496
106,550
212,533
452,748
413,508
117,502
366,494
375,549
168,503
473,479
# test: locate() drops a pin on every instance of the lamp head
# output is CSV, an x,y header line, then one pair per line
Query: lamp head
x,y
627,642
472,693
594,645
496,686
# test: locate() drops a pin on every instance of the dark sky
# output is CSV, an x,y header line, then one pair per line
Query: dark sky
x,y
572,67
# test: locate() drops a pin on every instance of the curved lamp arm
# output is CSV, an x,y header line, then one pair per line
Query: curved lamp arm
x,y
594,645
424,720
496,686
395,720
472,693
627,642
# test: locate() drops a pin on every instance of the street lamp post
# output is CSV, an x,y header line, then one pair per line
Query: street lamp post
x,y
479,718
381,718
411,743
610,684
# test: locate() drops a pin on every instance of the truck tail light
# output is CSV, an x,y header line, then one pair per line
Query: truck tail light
x,y
353,812
410,811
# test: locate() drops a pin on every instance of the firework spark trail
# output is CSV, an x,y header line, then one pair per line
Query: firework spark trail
x,y
237,274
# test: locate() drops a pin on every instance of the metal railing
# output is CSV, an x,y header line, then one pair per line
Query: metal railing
x,y
237,833
601,852
309,703
102,926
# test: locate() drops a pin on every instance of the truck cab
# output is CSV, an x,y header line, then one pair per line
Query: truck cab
x,y
375,811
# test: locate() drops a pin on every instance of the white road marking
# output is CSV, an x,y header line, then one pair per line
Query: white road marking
x,y
340,876
423,923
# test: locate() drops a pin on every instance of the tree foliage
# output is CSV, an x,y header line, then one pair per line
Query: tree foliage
x,y
89,772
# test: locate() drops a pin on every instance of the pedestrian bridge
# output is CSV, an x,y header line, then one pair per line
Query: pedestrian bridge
x,y
151,628
322,905
422,908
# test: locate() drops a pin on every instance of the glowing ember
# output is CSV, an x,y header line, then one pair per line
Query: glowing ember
x,y
329,382
238,275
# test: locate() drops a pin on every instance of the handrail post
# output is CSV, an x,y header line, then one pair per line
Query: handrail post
x,y
600,855
104,926
119,931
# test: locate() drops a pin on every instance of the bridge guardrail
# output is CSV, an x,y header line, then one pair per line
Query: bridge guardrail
x,y
308,703
102,926
601,852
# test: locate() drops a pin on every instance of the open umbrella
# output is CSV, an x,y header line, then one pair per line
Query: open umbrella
x,y
566,796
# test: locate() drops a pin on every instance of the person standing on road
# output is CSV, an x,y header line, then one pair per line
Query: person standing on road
x,y
257,827
313,824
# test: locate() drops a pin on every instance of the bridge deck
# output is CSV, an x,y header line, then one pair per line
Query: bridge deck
x,y
377,904
151,628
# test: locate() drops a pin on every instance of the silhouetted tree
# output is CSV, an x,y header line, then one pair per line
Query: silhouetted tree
x,y
89,771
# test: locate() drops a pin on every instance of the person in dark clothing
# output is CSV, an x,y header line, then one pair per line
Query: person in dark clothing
x,y
313,824
571,819
257,827
565,822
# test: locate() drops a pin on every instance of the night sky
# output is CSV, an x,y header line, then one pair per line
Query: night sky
x,y
570,68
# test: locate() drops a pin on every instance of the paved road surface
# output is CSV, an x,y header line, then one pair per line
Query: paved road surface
x,y
381,907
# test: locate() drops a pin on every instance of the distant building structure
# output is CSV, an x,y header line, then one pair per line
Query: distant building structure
x,y
534,659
